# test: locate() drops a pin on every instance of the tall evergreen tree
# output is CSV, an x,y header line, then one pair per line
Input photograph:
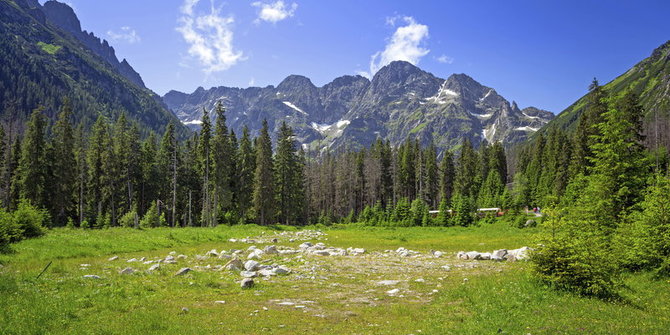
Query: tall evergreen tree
x,y
64,166
223,157
168,161
289,177
245,177
264,191
33,165
205,151
447,175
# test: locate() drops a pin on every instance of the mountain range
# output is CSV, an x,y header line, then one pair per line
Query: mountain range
x,y
400,102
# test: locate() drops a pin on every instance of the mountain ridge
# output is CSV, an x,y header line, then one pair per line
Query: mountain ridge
x,y
401,101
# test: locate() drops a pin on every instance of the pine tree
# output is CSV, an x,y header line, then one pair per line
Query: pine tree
x,y
205,151
264,193
447,175
430,193
288,169
587,131
64,166
467,180
223,158
96,147
245,176
168,161
33,165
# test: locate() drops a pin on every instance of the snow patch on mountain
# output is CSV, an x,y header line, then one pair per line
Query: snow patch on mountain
x,y
294,107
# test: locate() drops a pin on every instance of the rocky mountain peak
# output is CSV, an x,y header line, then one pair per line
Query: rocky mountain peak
x,y
295,82
63,16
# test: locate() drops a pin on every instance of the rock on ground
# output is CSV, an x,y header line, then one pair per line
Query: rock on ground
x,y
247,283
183,271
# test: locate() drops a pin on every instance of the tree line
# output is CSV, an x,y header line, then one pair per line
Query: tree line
x,y
110,176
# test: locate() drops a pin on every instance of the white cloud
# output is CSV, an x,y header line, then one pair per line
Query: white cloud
x,y
405,44
252,82
274,12
126,34
444,59
210,37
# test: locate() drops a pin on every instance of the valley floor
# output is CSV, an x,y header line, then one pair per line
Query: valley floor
x,y
380,291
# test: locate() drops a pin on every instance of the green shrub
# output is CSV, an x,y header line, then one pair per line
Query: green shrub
x,y
30,220
128,219
576,258
151,218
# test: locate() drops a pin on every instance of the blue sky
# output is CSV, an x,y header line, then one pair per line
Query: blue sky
x,y
538,53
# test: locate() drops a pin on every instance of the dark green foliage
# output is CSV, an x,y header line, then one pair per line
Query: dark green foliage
x,y
575,257
264,188
643,240
289,179
464,209
33,166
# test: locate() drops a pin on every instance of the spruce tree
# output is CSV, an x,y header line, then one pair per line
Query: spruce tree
x,y
223,157
64,166
205,151
33,165
245,176
264,184
447,175
288,174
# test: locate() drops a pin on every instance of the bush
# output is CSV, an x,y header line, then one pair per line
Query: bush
x,y
151,218
643,240
576,258
26,222
30,220
128,219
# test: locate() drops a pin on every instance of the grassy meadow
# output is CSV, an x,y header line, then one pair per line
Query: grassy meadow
x,y
323,294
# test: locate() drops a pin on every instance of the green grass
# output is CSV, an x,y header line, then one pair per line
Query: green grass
x,y
341,299
49,48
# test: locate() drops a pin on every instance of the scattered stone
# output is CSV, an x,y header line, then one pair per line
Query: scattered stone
x,y
420,280
221,302
465,280
437,254
248,274
266,272
281,270
305,245
499,255
388,282
212,253
127,271
84,265
446,267
286,303
393,291
154,267
172,253
274,240
183,271
132,260
142,259
232,240
270,250
518,254
184,310
321,253
113,258
200,257
234,265
182,257
92,276
251,265
247,283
